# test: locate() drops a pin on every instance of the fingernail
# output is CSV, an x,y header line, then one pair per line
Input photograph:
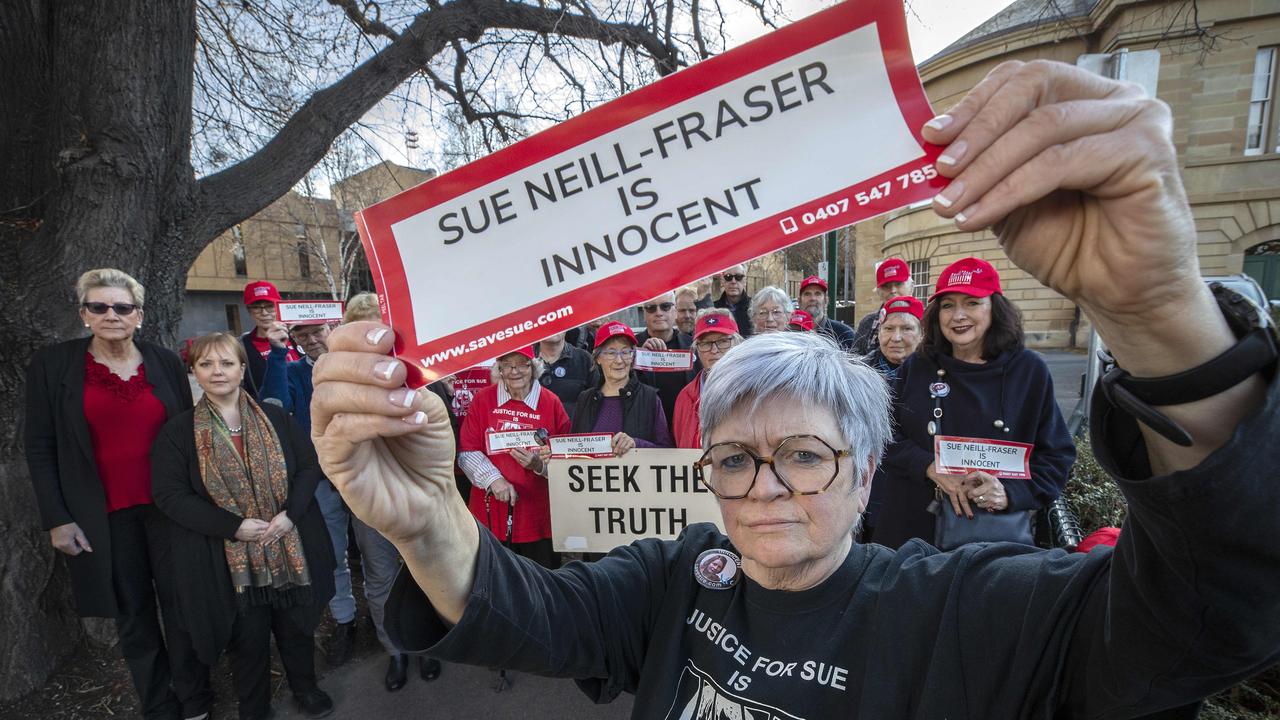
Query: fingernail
x,y
375,335
963,216
940,122
403,398
416,418
954,153
948,197
385,369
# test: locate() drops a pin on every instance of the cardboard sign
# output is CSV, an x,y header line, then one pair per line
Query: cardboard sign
x,y
497,441
597,505
656,189
465,386
959,455
309,312
663,360
593,445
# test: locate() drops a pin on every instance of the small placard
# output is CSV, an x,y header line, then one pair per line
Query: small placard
x,y
497,441
664,360
592,445
309,312
959,455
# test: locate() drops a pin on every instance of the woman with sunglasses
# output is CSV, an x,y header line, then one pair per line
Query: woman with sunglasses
x,y
619,403
512,483
714,333
94,406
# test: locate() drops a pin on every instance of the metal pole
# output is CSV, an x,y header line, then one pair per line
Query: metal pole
x,y
832,270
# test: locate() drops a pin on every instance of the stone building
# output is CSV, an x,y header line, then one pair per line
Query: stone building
x,y
1218,73
306,246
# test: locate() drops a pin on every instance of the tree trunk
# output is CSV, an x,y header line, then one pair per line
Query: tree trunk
x,y
96,174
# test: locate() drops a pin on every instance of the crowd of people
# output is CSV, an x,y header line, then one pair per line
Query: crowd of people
x,y
832,544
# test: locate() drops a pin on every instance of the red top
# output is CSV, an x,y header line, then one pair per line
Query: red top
x,y
685,415
531,520
124,417
263,346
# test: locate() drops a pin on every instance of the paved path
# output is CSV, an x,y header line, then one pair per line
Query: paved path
x,y
1066,368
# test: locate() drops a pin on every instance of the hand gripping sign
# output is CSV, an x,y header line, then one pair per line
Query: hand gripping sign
x,y
810,128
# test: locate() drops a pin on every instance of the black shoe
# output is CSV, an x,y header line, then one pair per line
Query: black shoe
x,y
428,668
340,644
314,703
397,672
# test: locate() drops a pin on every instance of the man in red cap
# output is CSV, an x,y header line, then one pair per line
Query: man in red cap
x,y
893,279
660,333
813,300
268,335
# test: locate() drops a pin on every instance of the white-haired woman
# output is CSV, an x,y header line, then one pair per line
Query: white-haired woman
x,y
797,620
94,406
715,331
515,478
770,309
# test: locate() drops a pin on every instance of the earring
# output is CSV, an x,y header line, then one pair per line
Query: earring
x,y
86,324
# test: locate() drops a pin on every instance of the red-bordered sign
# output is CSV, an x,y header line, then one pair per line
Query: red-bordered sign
x,y
810,128
309,312
1001,458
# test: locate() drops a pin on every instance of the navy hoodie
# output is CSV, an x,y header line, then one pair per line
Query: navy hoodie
x,y
1015,388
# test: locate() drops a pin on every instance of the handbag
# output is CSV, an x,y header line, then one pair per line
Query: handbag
x,y
950,531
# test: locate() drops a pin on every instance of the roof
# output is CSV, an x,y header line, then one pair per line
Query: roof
x,y
1018,15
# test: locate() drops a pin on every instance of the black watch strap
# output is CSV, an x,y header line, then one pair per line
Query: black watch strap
x,y
1255,352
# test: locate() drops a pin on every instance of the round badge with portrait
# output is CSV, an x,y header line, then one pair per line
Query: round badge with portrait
x,y
560,372
717,569
940,389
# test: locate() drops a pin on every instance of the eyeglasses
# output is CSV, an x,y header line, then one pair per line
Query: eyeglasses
x,y
511,369
263,308
733,277
717,345
101,308
762,314
804,464
625,354
665,307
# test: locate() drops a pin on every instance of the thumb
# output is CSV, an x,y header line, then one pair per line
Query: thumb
x,y
82,540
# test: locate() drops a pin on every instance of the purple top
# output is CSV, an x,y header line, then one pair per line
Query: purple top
x,y
610,420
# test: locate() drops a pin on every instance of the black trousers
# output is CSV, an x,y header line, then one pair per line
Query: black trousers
x,y
250,649
171,682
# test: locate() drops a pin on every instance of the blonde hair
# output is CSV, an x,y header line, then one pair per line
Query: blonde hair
x,y
206,344
689,290
109,277
362,306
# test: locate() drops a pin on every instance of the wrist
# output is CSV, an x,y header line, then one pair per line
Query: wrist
x,y
1166,339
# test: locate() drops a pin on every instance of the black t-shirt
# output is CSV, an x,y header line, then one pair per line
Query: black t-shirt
x,y
1187,604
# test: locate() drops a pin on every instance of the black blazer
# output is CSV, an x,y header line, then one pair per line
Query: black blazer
x,y
60,455
205,597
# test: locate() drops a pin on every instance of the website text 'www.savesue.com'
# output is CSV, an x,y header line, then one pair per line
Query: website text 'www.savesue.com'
x,y
497,335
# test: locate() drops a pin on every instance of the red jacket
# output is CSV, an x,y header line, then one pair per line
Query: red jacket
x,y
685,420
531,520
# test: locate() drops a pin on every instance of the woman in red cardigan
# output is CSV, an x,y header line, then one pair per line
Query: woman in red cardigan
x,y
714,332
514,478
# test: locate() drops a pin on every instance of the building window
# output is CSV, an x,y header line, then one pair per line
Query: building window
x,y
237,252
304,260
920,278
1263,135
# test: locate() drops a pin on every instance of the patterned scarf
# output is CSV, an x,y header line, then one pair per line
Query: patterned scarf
x,y
254,486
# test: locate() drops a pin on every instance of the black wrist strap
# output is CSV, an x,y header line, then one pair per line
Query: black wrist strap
x,y
1255,352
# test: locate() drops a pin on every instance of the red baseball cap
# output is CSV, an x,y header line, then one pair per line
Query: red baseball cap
x,y
801,319
971,276
715,323
259,291
892,270
905,304
526,351
613,329
813,280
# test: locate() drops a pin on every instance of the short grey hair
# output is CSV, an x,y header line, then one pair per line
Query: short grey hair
x,y
765,295
809,368
539,367
109,277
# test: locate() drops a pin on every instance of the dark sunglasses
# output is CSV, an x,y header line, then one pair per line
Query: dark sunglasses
x,y
660,306
101,308
736,277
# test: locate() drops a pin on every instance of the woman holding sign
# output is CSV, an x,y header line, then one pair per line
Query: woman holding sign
x,y
500,451
987,403
1080,177
620,403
